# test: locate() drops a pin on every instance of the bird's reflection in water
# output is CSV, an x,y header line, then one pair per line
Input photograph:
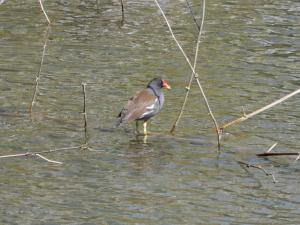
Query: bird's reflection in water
x,y
141,138
140,154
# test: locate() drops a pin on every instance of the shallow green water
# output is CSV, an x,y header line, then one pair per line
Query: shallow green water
x,y
249,57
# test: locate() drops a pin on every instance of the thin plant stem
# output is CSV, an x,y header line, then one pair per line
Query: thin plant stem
x,y
123,14
218,131
248,116
192,13
84,114
188,88
42,7
38,76
175,39
194,73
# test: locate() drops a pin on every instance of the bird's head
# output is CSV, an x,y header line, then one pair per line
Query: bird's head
x,y
158,83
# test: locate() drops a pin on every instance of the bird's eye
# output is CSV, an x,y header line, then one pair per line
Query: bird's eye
x,y
161,83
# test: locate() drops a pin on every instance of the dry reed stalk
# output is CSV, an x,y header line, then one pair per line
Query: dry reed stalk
x,y
175,39
194,73
122,8
42,7
83,146
37,77
84,114
248,116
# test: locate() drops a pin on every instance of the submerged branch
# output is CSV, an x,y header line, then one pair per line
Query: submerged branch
x,y
259,167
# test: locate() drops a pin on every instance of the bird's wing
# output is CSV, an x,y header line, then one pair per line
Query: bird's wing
x,y
139,105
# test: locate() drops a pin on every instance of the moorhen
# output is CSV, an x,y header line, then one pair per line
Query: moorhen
x,y
145,104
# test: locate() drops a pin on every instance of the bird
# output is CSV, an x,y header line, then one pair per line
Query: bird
x,y
144,104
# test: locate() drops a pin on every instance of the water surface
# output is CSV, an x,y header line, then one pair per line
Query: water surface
x,y
249,57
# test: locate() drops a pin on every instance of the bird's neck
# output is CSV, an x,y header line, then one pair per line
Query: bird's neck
x,y
157,93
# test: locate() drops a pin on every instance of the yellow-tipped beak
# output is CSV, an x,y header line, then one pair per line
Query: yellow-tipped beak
x,y
166,85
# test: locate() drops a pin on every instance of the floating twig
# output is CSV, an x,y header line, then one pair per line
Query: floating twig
x,y
38,76
41,152
248,116
269,153
248,165
42,7
278,153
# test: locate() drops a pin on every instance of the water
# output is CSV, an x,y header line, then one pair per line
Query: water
x,y
249,57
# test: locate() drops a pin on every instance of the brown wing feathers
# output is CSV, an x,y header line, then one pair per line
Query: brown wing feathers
x,y
137,106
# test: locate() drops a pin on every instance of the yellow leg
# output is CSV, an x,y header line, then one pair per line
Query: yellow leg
x,y
137,127
145,128
145,139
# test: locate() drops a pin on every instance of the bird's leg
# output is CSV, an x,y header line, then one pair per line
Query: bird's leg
x,y
137,127
145,139
145,127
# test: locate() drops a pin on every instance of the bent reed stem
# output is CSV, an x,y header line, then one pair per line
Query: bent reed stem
x,y
248,116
